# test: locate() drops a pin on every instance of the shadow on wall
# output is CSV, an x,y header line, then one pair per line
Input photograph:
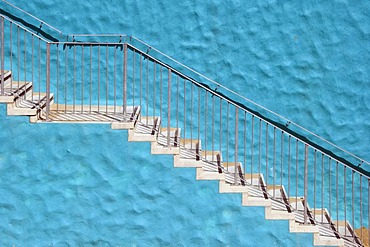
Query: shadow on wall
x,y
30,26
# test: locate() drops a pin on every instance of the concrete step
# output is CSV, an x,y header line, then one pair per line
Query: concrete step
x,y
29,105
133,114
257,194
280,208
211,166
161,146
229,169
15,90
189,155
347,232
201,174
61,113
145,130
297,224
327,234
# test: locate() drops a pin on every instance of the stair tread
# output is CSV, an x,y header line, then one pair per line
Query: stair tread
x,y
148,125
33,101
11,91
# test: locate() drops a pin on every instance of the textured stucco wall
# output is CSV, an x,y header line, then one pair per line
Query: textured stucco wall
x,y
308,62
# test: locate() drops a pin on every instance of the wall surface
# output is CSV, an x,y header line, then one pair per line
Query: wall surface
x,y
86,185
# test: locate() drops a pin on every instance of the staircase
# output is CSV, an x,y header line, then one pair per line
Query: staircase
x,y
121,84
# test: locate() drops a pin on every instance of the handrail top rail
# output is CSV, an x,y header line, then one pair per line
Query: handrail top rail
x,y
97,35
34,17
25,28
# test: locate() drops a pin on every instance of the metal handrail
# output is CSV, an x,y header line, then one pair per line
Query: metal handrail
x,y
190,79
34,17
219,85
25,29
361,160
231,102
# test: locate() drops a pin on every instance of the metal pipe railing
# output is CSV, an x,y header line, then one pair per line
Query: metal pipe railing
x,y
245,136
34,17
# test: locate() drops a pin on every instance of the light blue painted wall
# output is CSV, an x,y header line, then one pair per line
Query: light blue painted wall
x,y
308,62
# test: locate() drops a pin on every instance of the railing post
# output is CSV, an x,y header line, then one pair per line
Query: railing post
x,y
236,148
47,81
2,56
125,81
305,183
169,109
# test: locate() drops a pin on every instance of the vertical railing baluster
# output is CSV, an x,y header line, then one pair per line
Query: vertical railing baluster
x,y
337,192
330,198
322,187
25,55
47,81
147,91
191,115
58,75
259,151
296,173
227,133
345,200
353,205
19,57
236,182
245,145
32,64
65,78
82,78
11,47
154,87
281,157
184,133
221,125
368,210
141,82
267,154
2,55
213,129
133,80
252,150
169,109
90,94
74,78
205,122
124,105
314,183
39,72
99,78
198,153
274,165
160,91
107,78
305,183
177,100
115,82
361,214
289,162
